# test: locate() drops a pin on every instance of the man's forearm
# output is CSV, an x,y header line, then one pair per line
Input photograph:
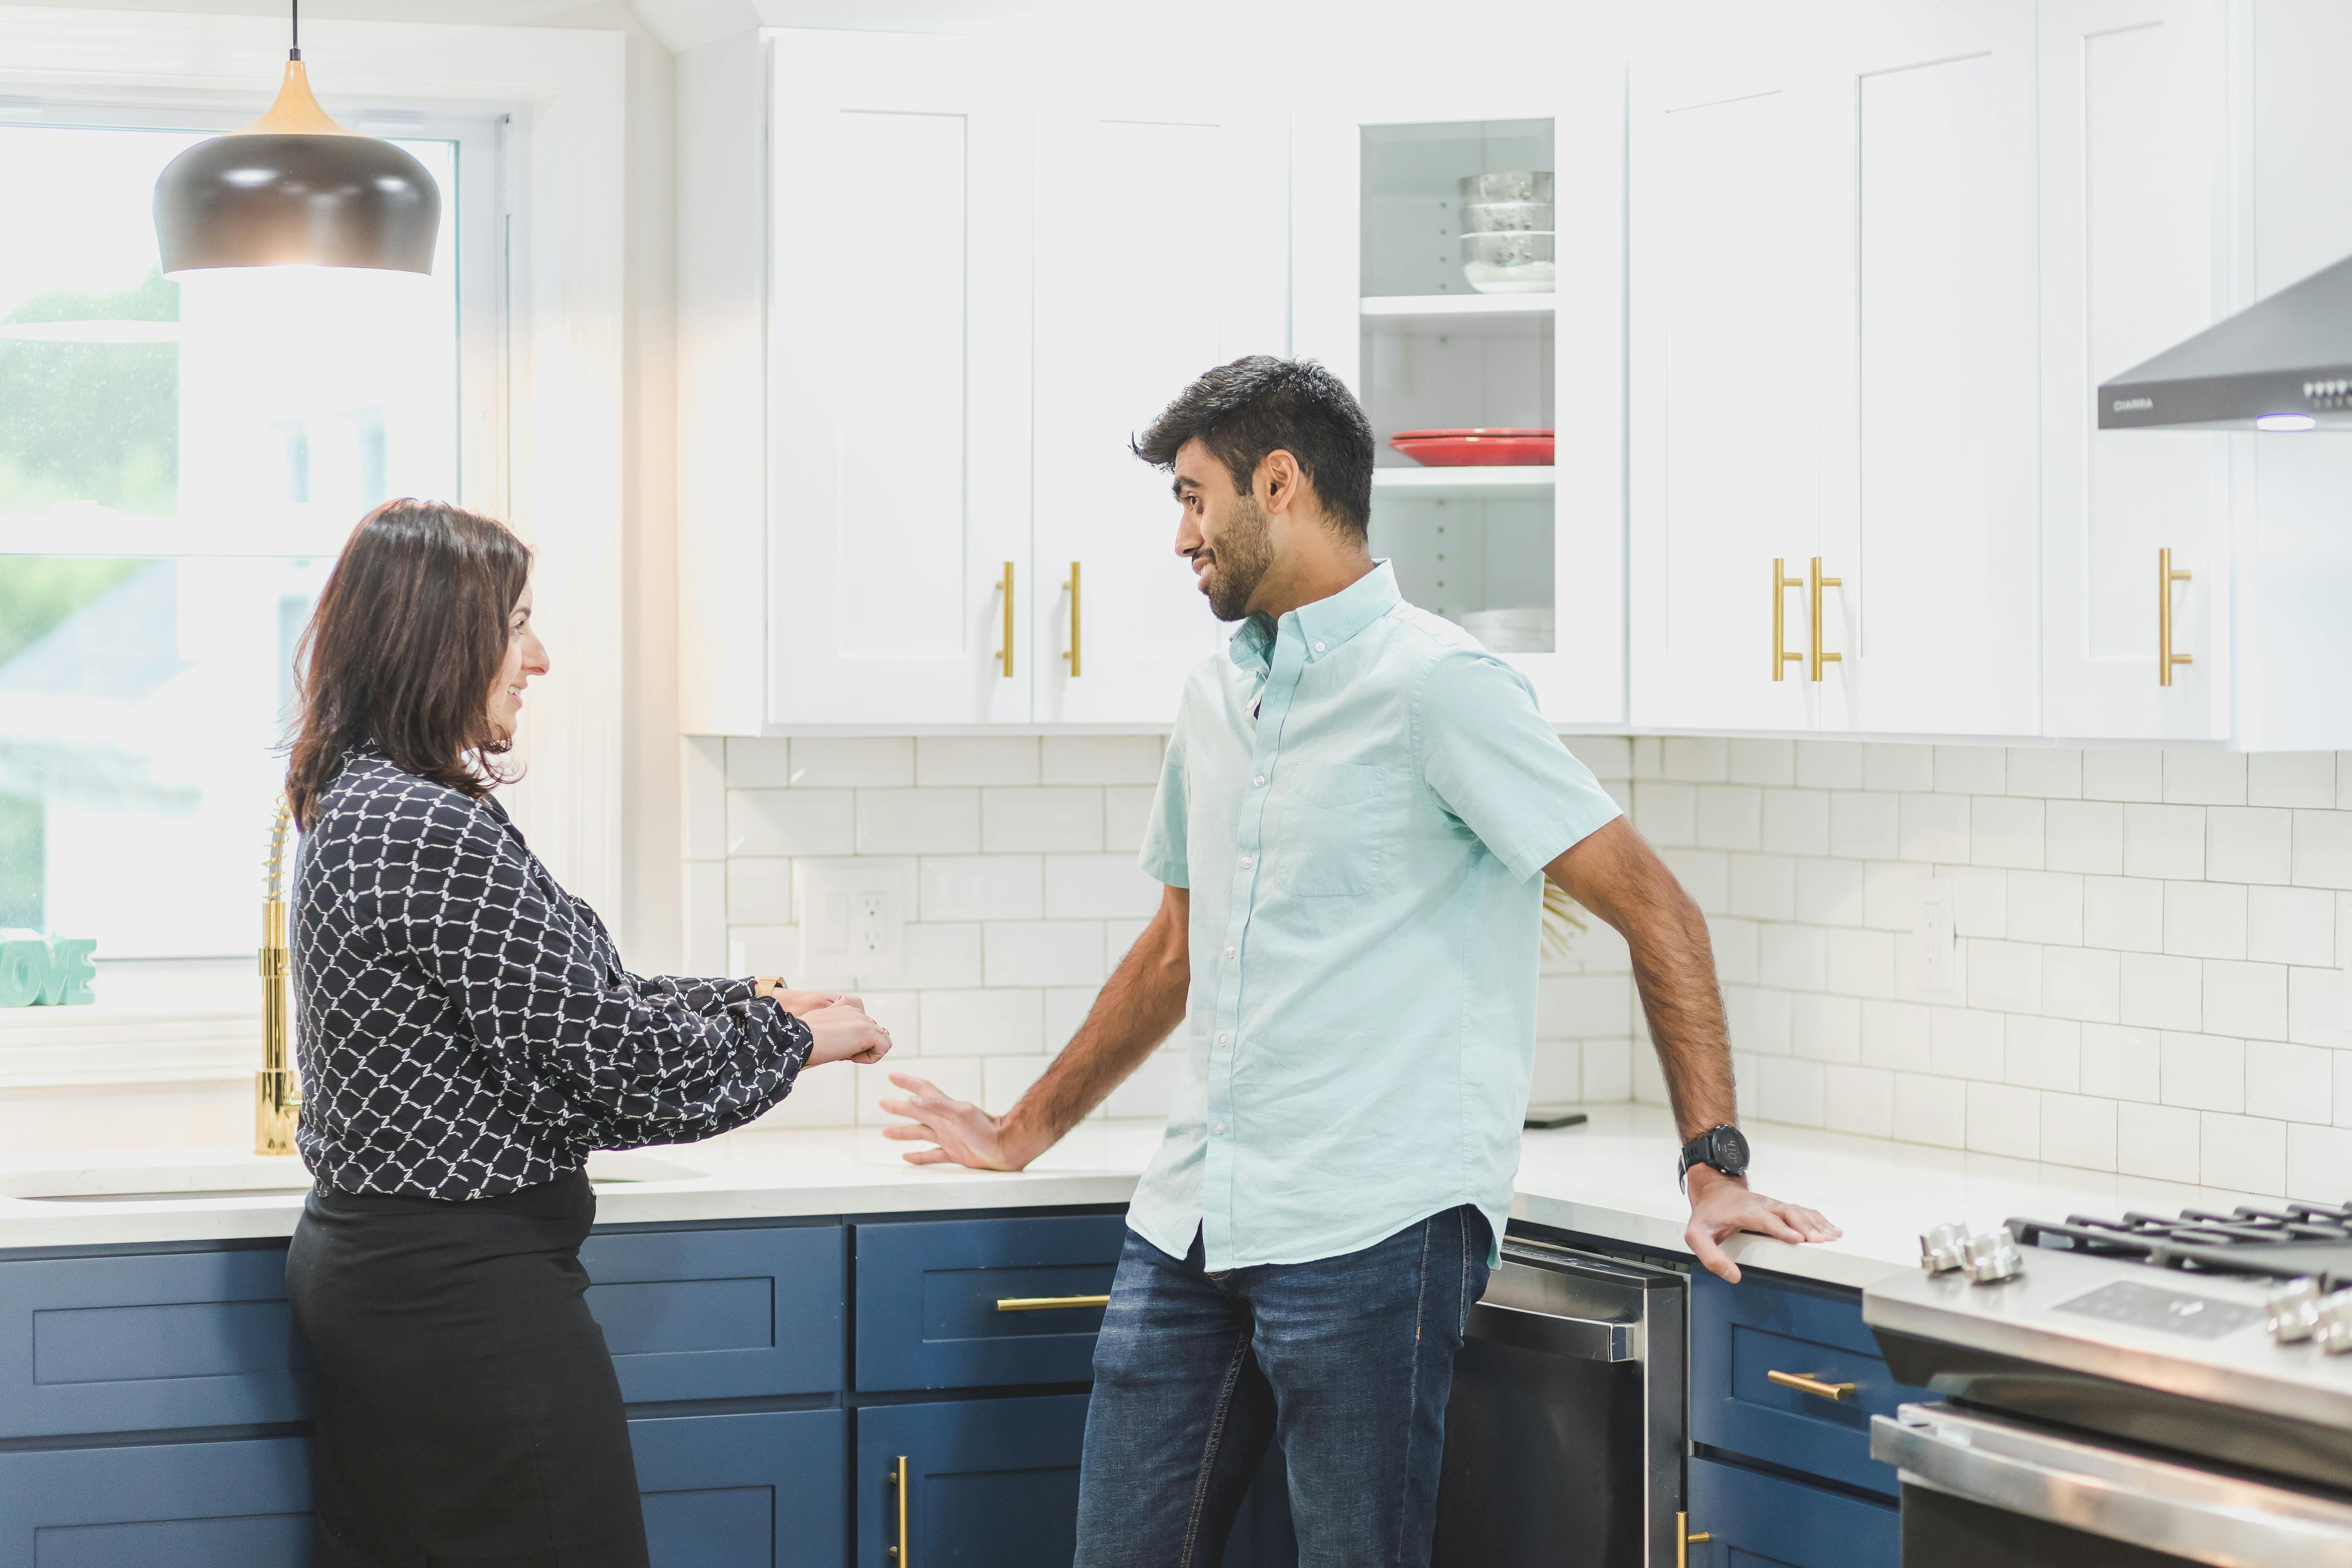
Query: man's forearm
x,y
1141,1002
1674,970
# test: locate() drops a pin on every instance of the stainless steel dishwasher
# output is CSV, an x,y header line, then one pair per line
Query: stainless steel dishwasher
x,y
1564,1441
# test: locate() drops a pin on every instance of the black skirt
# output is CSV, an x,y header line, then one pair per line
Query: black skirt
x,y
466,1409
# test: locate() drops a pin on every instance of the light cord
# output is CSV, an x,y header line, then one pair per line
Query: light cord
x,y
295,8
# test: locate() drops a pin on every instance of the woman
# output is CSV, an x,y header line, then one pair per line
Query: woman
x,y
467,1036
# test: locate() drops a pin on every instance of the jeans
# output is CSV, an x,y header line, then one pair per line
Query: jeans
x,y
1346,1361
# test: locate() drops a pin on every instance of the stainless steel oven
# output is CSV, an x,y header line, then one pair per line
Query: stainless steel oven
x,y
1564,1441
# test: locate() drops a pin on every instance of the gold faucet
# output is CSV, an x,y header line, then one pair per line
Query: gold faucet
x,y
277,1087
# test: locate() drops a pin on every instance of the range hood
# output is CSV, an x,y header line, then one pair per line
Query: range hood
x,y
2281,363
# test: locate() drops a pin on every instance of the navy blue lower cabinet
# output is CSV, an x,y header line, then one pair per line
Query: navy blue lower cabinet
x,y
754,1490
1813,1338
938,1301
991,1483
1752,1519
147,1341
242,1504
720,1314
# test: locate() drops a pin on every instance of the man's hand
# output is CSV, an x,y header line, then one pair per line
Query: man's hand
x,y
1722,1207
963,1133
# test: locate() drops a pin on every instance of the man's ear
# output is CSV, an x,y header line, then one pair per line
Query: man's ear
x,y
1278,478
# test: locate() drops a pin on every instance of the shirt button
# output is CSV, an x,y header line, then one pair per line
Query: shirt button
x,y
1225,1039
1318,648
1218,1128
1230,951
1259,780
1245,862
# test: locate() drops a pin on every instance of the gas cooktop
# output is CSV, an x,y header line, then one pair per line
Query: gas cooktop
x,y
2293,1241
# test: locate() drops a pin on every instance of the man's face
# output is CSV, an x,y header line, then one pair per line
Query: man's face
x,y
1223,532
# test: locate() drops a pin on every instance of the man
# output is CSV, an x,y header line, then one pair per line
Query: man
x,y
1354,808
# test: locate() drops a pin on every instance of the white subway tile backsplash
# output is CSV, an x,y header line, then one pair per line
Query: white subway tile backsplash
x,y
820,762
1100,760
1796,822
1862,826
702,796
1696,759
1860,962
2124,912
2123,775
2323,848
1760,1020
1890,894
1730,816
1043,952
2291,778
2083,836
769,949
1895,1036
1666,812
1790,1090
1829,892
2045,772
705,951
1830,764
1980,900
2004,975
968,761
1127,810
1825,1028
2248,999
2046,907
1004,1080
1931,1109
1733,939
2205,920
2081,982
2290,1083
2164,841
759,892
792,822
2243,1152
2316,1160
2004,831
980,887
1583,1006
1767,762
2078,1130
918,821
753,763
1964,1043
2290,925
983,1022
2315,1006
1970,770
1934,828
1763,887
2120,1064
2159,1140
2205,777
1859,1099
2041,1053
943,954
1099,887
1612,756
2162,993
1608,1070
1898,766
1066,818
1705,874
2202,1072
1792,956
2249,843
2004,1119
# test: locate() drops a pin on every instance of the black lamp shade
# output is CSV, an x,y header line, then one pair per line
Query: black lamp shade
x,y
270,200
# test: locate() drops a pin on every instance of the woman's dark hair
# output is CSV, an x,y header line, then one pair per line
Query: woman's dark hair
x,y
1258,404
408,635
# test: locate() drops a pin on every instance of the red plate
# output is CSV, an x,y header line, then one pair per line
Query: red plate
x,y
1478,447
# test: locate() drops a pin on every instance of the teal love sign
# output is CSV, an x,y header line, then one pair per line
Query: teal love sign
x,y
38,970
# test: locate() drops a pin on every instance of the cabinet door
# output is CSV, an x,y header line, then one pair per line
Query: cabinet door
x,y
2130,266
991,1483
898,310
1725,249
242,1504
1930,478
760,1489
1755,1521
1148,272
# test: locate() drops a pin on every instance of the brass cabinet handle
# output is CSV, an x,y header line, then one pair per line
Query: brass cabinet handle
x,y
1073,654
2166,574
1047,1303
902,1553
1814,1385
1817,583
1781,583
1006,589
1684,1539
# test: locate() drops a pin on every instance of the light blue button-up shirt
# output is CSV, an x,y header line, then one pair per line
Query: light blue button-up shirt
x,y
1362,806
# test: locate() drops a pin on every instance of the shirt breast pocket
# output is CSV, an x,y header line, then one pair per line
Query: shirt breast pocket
x,y
1335,831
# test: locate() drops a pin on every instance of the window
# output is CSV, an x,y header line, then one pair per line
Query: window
x,y
179,464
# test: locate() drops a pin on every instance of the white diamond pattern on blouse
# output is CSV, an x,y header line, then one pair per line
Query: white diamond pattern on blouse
x,y
463,1025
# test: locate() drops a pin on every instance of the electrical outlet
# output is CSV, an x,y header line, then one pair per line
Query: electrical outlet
x,y
1931,938
853,920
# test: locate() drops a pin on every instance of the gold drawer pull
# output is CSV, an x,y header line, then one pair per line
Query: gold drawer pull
x,y
903,1553
1047,1303
2166,576
1814,1385
1072,654
1006,588
1781,583
1685,1538
1817,583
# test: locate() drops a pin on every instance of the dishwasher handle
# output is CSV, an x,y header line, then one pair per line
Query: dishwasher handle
x,y
2202,1515
1584,1339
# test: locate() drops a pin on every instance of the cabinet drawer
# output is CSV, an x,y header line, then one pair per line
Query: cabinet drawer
x,y
1742,1333
242,1504
720,1314
928,1293
146,1341
1753,1520
991,1483
759,1490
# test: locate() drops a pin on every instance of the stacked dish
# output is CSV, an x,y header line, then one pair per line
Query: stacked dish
x,y
1507,232
1477,448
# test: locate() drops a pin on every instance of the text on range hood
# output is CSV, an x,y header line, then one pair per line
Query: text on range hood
x,y
2289,354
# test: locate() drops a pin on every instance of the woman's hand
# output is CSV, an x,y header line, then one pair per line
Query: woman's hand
x,y
801,1003
844,1034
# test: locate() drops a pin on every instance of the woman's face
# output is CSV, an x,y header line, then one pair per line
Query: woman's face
x,y
525,659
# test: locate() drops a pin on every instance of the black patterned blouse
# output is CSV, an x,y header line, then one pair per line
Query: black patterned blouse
x,y
463,1025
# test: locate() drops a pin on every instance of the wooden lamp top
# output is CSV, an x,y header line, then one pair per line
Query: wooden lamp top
x,y
296,112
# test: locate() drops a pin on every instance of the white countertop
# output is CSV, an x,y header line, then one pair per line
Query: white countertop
x,y
1613,1177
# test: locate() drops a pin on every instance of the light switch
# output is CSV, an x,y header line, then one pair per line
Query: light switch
x,y
853,920
1931,937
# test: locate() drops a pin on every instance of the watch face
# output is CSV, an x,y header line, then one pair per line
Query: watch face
x,y
1731,1151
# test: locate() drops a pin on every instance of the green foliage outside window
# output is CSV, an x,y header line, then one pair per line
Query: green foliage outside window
x,y
22,853
91,421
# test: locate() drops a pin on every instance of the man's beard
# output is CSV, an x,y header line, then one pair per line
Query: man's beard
x,y
1238,561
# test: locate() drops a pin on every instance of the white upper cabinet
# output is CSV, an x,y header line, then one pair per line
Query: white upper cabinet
x,y
1929,476
1725,407
2132,258
1153,264
898,489
1530,558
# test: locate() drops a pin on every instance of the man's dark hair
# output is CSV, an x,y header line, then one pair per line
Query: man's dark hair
x,y
1258,404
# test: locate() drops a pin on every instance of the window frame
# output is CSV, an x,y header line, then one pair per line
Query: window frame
x,y
540,112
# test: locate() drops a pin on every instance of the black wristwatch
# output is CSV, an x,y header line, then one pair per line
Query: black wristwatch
x,y
1721,1147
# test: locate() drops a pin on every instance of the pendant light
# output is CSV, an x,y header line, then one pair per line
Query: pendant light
x,y
294,188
